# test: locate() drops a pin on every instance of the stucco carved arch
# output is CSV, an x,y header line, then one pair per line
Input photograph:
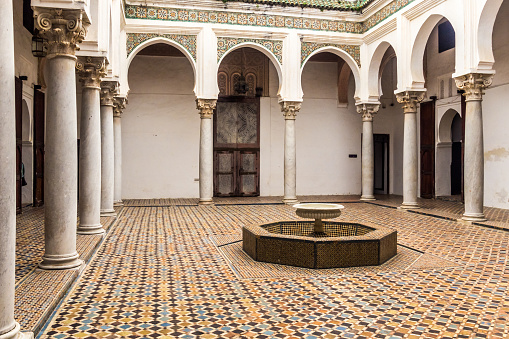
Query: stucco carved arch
x,y
375,69
159,40
419,44
484,34
261,49
346,57
444,127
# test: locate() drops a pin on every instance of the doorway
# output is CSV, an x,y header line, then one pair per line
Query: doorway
x,y
428,149
456,154
237,147
381,163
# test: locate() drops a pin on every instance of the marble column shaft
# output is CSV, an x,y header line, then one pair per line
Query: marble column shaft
x,y
206,108
108,91
119,105
473,84
368,165
409,101
9,328
290,109
90,71
63,29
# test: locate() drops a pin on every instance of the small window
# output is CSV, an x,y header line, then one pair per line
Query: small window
x,y
28,16
446,37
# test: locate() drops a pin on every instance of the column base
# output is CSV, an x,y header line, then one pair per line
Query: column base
x,y
290,201
409,206
16,334
367,198
60,262
108,213
90,229
206,202
474,217
118,203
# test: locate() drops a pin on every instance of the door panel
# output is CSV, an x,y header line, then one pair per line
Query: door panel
x,y
236,147
428,149
381,163
19,106
38,148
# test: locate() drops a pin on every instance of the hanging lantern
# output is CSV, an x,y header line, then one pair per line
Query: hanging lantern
x,y
39,49
241,86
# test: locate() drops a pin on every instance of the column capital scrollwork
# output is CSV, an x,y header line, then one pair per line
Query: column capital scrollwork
x,y
290,109
473,84
62,28
91,70
206,107
109,89
119,104
367,111
410,99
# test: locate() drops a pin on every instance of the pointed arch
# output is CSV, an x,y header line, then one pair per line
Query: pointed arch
x,y
346,57
261,49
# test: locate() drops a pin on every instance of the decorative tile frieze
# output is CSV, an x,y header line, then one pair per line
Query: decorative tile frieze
x,y
263,20
225,44
188,42
309,47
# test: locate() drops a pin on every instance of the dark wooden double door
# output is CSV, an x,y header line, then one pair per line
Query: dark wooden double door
x,y
237,147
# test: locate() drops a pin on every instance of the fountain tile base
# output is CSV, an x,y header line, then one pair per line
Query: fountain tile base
x,y
344,244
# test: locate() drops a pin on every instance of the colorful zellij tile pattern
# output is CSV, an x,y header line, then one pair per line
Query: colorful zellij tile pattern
x,y
158,275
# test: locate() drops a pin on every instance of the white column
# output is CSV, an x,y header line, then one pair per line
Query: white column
x,y
206,108
108,90
368,156
63,29
119,105
409,101
9,328
474,84
290,109
90,71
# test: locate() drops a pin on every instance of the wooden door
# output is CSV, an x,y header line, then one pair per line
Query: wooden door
x,y
237,147
428,149
38,148
381,163
19,106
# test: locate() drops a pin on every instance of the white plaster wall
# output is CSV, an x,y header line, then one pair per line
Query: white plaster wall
x,y
326,135
160,130
501,46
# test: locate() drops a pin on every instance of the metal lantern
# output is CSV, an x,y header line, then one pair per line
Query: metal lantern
x,y
241,86
38,46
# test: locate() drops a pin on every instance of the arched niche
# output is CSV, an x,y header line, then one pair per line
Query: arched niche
x,y
444,127
261,49
348,60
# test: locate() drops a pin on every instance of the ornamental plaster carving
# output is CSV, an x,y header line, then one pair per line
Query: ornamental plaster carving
x,y
473,84
206,107
225,44
309,47
109,89
62,28
91,70
367,111
410,99
290,109
119,104
188,42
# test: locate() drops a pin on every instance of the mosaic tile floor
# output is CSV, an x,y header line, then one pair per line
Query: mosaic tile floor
x,y
159,274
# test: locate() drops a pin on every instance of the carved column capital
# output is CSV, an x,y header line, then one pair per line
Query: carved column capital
x,y
206,107
290,109
473,84
91,70
119,104
109,89
367,111
410,99
62,28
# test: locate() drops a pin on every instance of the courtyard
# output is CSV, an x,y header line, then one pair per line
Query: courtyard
x,y
168,268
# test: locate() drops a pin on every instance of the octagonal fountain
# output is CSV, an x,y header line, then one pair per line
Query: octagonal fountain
x,y
319,244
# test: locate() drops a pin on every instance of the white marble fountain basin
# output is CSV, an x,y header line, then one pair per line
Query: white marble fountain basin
x,y
318,212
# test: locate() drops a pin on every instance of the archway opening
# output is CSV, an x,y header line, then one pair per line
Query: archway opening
x,y
456,155
26,154
248,84
160,126
328,128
